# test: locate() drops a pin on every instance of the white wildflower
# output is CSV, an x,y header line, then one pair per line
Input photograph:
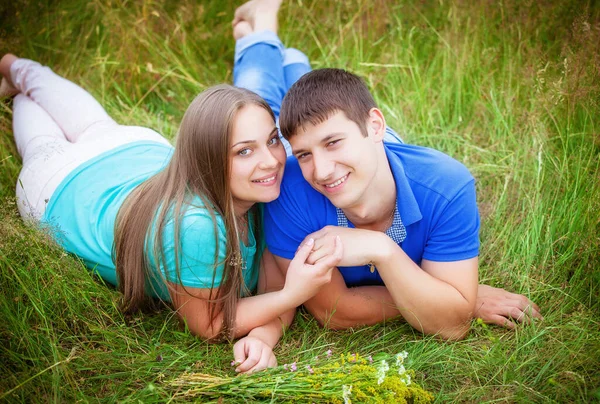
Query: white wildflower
x,y
401,370
405,378
401,357
381,371
346,393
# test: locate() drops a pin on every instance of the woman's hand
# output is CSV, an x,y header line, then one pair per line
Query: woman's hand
x,y
497,306
251,354
304,280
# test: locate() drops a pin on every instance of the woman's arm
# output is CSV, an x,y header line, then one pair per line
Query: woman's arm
x,y
255,351
302,282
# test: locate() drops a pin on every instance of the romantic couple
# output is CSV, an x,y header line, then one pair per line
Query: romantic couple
x,y
355,225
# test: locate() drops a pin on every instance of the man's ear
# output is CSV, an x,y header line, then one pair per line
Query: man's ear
x,y
376,124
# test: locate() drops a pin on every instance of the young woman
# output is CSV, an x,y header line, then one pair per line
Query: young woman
x,y
181,225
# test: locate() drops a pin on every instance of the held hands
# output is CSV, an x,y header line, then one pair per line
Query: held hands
x,y
360,245
252,354
497,306
304,279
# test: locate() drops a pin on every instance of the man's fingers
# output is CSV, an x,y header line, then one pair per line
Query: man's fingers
x,y
329,261
501,321
530,309
518,315
316,256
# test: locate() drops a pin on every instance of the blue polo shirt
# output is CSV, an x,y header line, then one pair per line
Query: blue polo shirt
x,y
437,213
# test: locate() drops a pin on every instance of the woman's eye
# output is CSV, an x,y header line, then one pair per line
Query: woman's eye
x,y
273,140
244,152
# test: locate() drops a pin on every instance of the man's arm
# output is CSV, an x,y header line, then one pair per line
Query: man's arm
x,y
338,307
438,298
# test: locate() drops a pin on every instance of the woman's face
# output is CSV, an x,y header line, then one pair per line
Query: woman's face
x,y
257,158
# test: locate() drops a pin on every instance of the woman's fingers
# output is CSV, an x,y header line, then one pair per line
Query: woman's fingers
x,y
330,260
247,354
304,251
251,361
239,351
272,362
264,361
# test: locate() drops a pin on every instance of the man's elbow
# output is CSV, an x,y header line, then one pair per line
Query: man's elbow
x,y
458,326
456,333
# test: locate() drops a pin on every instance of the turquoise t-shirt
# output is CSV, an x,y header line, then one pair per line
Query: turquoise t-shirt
x,y
82,211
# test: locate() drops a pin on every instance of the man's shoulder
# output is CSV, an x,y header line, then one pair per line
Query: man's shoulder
x,y
431,170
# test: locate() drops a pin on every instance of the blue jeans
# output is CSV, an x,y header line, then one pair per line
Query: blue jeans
x,y
263,65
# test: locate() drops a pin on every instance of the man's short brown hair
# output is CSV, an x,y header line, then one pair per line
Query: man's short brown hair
x,y
320,94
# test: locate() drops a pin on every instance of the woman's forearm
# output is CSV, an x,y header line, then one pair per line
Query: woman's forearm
x,y
271,333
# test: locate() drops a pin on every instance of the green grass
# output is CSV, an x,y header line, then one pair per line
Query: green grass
x,y
511,88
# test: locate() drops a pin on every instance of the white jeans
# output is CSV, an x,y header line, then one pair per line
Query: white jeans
x,y
57,127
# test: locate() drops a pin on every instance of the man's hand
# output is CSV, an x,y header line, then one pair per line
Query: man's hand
x,y
359,244
252,354
497,306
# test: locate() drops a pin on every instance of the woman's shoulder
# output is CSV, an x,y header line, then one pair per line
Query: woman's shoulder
x,y
197,218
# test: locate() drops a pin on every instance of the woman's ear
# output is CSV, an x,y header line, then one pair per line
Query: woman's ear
x,y
376,124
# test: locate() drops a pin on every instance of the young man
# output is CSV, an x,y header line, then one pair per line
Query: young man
x,y
407,217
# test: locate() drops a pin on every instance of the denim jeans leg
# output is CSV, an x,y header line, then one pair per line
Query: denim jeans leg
x,y
295,65
258,67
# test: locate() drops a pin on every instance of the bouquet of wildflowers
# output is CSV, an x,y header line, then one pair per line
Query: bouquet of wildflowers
x,y
339,379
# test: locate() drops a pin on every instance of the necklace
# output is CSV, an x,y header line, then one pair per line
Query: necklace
x,y
242,226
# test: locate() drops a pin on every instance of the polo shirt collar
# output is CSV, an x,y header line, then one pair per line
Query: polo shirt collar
x,y
406,203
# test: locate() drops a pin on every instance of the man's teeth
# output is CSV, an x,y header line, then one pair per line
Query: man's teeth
x,y
266,180
338,182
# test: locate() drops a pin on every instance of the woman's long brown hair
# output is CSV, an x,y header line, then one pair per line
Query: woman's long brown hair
x,y
199,167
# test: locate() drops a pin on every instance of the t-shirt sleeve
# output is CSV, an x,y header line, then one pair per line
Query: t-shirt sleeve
x,y
455,230
197,251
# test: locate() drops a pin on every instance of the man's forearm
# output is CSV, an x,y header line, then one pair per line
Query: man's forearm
x,y
429,304
352,307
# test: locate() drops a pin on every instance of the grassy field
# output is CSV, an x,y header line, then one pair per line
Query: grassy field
x,y
511,88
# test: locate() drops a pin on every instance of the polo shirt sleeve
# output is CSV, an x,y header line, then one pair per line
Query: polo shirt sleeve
x,y
197,252
455,232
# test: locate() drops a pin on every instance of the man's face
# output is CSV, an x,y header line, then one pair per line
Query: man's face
x,y
337,160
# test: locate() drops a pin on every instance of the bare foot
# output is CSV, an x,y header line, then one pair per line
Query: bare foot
x,y
260,14
7,89
241,29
